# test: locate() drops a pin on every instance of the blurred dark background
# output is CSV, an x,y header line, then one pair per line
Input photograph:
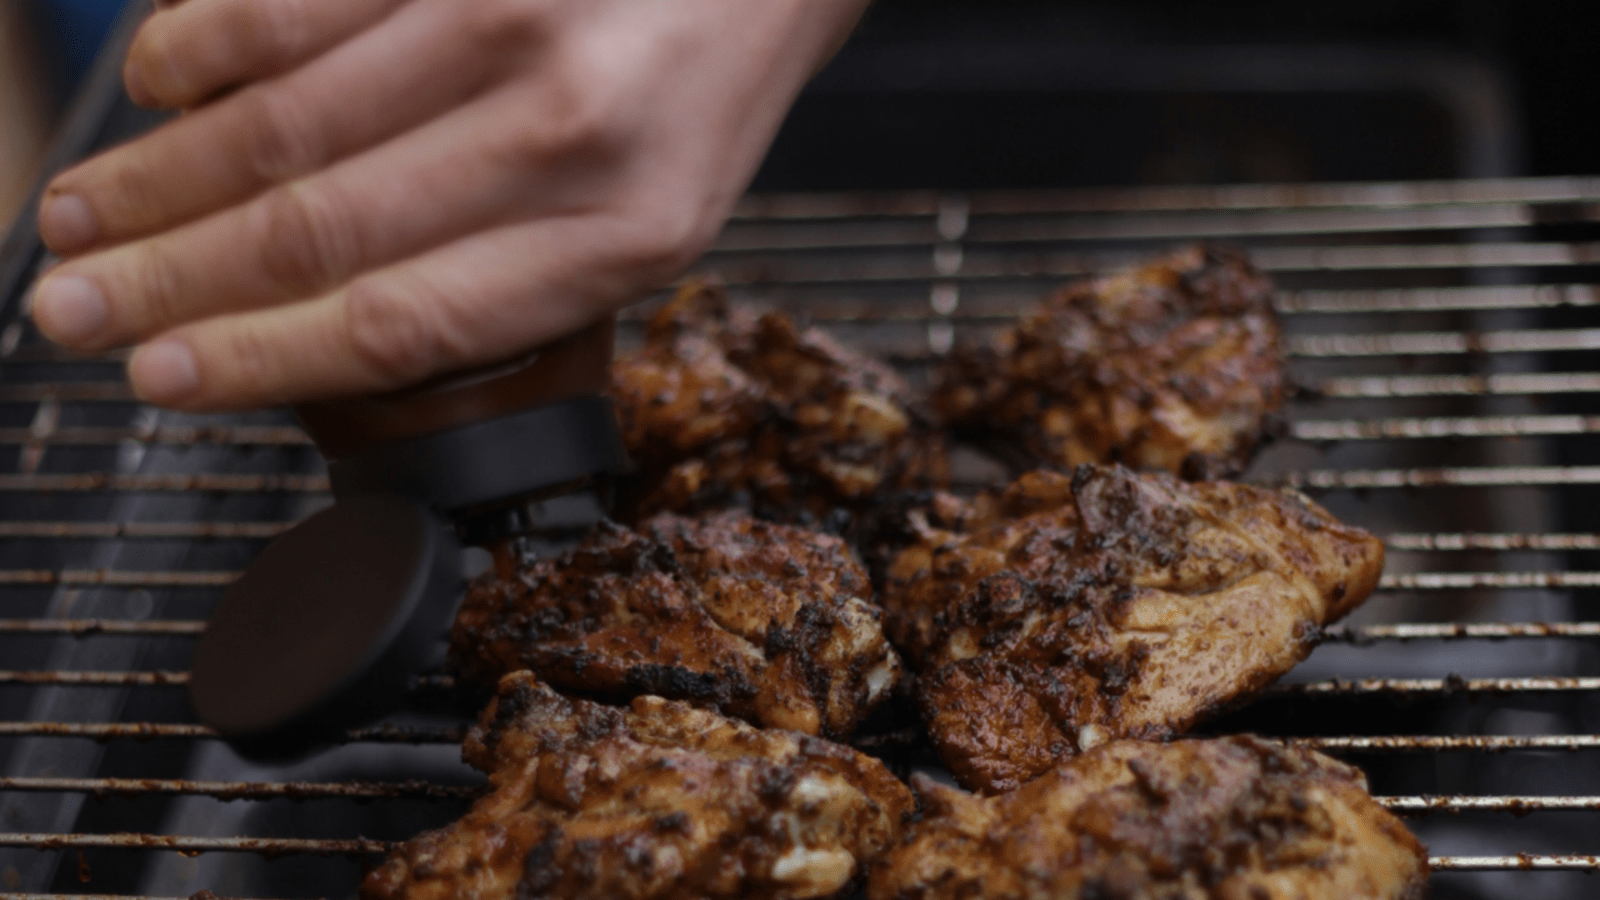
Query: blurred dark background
x,y
1031,93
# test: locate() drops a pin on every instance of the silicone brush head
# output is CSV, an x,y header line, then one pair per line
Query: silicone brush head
x,y
329,624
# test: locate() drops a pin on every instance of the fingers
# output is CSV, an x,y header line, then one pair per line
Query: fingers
x,y
190,53
304,238
266,133
475,302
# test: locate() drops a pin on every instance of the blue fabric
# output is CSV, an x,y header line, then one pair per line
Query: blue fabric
x,y
72,32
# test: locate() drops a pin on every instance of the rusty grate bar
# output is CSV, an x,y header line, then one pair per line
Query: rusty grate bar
x,y
1485,476
1448,631
239,435
15,896
265,530
201,483
1526,862
1382,387
86,627
843,270
245,790
1453,299
188,531
1442,343
105,731
1488,743
923,231
1308,430
1493,542
1459,581
186,844
1451,685
1407,581
1460,427
1517,805
94,679
1380,195
1361,634
117,578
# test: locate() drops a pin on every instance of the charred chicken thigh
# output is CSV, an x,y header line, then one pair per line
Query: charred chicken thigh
x,y
661,801
1071,611
771,623
1174,365
724,404
1221,819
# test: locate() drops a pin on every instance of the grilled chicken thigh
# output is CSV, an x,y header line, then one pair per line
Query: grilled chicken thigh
x,y
661,801
1174,365
1222,819
726,405
770,623
1071,611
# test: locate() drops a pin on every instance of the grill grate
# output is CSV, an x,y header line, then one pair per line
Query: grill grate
x,y
1439,335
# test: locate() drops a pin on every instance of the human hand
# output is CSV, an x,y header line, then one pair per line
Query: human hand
x,y
387,190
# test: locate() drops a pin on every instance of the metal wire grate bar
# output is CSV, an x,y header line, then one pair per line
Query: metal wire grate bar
x,y
1487,476
1457,299
1378,195
103,731
1388,387
96,482
1446,631
1482,743
215,434
1313,430
847,270
188,531
1421,686
244,790
1410,581
85,627
1466,427
1363,634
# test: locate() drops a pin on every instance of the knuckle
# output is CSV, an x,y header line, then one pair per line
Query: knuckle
x,y
502,27
571,126
279,140
305,242
396,329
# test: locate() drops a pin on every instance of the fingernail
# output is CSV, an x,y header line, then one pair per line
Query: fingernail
x,y
69,308
67,223
163,372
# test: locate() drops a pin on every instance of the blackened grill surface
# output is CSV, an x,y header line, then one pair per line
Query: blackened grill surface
x,y
1442,339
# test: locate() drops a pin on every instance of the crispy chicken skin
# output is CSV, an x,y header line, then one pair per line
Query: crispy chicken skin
x,y
657,802
724,404
1233,818
1070,611
771,623
1171,365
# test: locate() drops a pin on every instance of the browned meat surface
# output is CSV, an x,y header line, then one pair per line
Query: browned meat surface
x,y
657,802
1068,612
1226,819
727,405
1171,364
770,623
